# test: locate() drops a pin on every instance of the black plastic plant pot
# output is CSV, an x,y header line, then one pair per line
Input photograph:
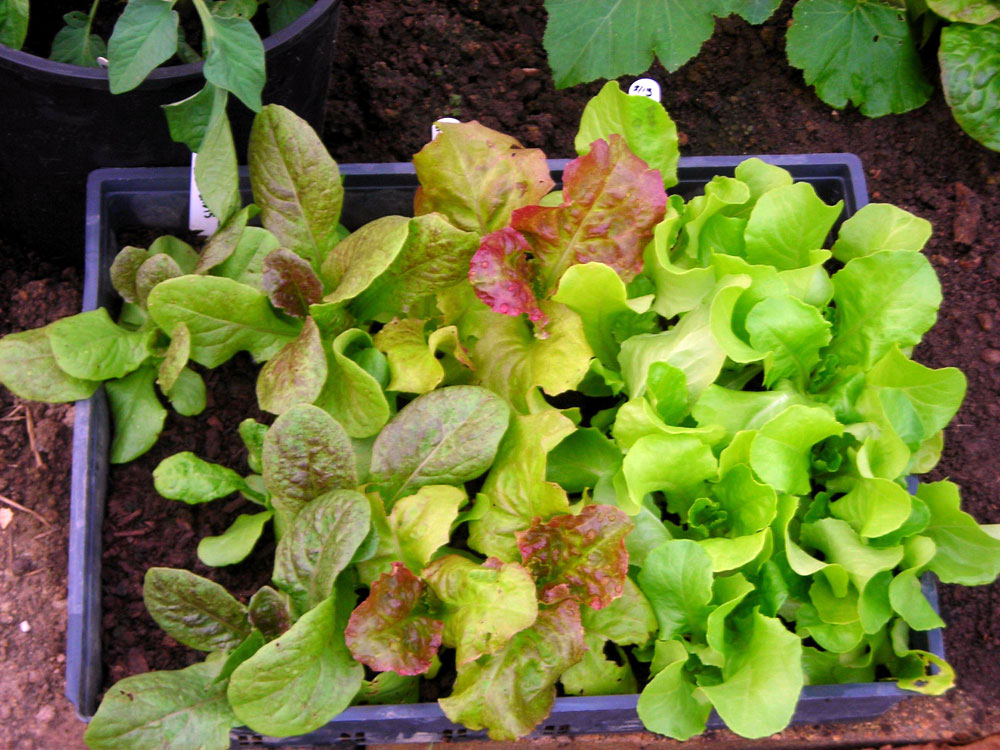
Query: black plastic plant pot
x,y
158,199
60,122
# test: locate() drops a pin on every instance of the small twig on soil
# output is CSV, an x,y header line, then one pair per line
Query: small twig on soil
x,y
52,530
133,532
35,572
13,414
29,511
31,437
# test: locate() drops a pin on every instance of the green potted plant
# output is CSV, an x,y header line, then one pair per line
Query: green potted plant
x,y
523,430
66,111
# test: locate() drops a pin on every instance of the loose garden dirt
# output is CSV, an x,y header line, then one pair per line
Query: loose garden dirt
x,y
400,65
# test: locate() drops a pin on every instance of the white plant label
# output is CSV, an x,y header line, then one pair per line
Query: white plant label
x,y
435,130
200,219
645,87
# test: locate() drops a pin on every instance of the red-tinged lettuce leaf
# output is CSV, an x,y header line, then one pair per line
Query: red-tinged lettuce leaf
x,y
502,275
580,557
611,202
291,283
509,692
391,630
476,176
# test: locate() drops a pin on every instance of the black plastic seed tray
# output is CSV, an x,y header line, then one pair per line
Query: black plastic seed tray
x,y
158,199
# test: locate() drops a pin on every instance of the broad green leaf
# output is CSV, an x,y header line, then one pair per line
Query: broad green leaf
x,y
224,317
511,691
299,681
970,73
184,476
723,195
673,704
412,361
306,453
235,543
678,289
874,507
246,263
388,689
448,436
235,57
642,122
124,268
510,360
516,487
966,554
193,610
584,459
483,606
977,12
250,646
215,168
905,592
188,396
780,453
173,710
13,22
667,463
363,256
477,177
611,202
282,13
597,294
320,543
611,38
786,224
296,374
880,226
889,297
74,44
636,419
145,36
351,394
296,184
391,630
858,52
189,118
435,255
676,577
841,545
580,557
29,369
185,256
595,674
137,413
90,346
761,679
792,333
918,401
421,522
628,621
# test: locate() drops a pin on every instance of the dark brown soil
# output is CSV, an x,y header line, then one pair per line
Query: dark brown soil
x,y
401,64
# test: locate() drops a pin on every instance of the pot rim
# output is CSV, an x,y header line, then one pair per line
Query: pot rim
x,y
98,77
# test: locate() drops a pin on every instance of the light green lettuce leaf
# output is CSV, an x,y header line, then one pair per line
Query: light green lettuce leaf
x,y
792,333
90,346
886,298
511,691
780,452
880,226
786,224
350,394
673,464
516,487
874,507
482,606
642,122
302,679
596,674
676,577
966,554
29,369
